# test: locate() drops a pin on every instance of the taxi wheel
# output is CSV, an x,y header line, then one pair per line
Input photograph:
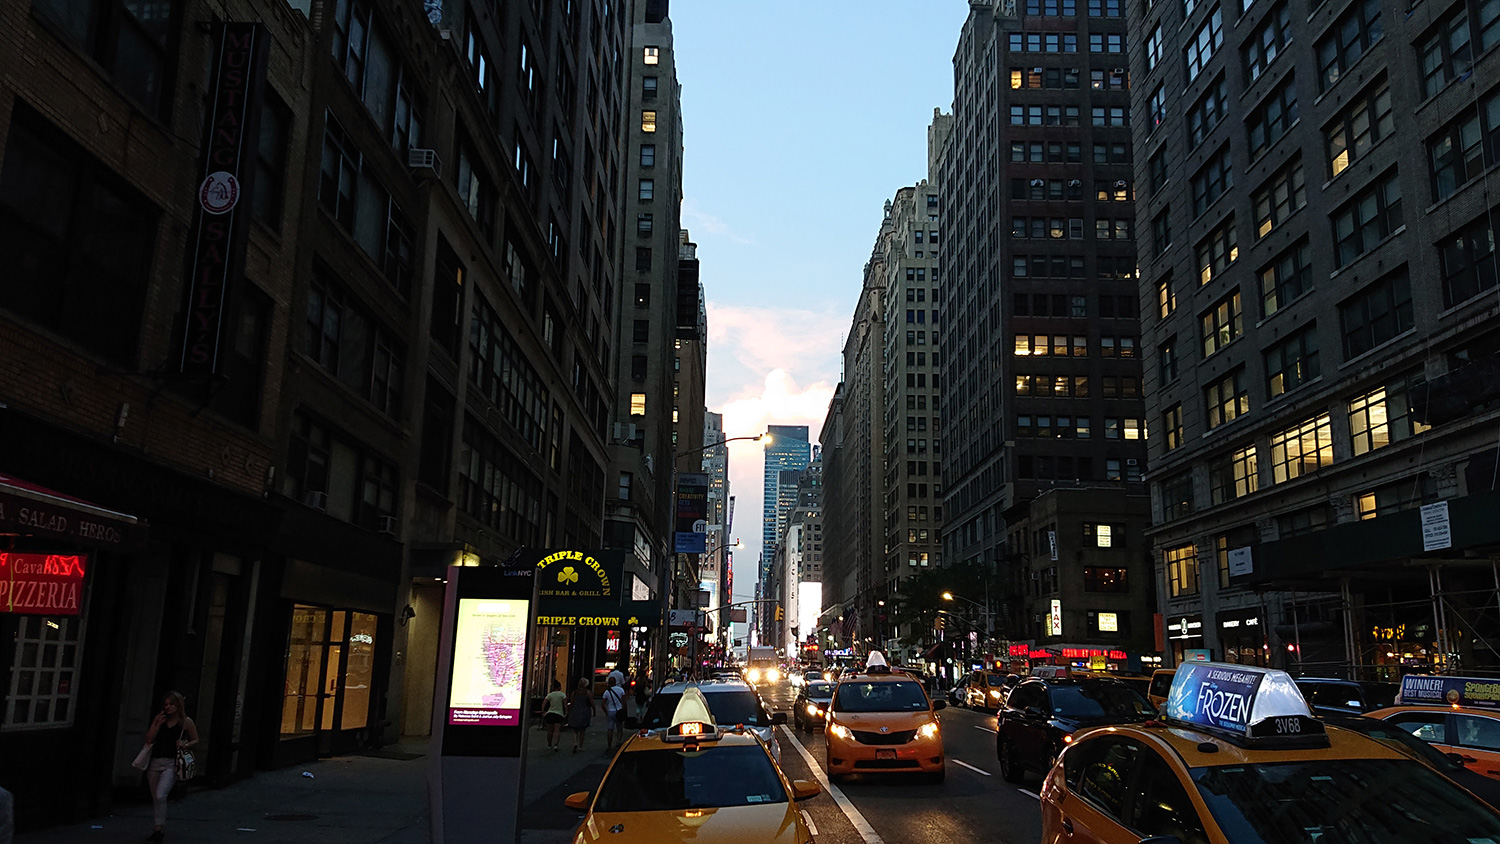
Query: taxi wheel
x,y
1010,769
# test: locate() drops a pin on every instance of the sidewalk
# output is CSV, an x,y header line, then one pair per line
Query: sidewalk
x,y
380,798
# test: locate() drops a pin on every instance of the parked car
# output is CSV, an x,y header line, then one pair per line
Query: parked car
x,y
1041,715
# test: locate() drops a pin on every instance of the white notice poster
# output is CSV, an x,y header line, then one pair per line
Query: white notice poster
x,y
1437,533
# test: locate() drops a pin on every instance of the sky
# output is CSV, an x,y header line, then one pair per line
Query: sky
x,y
800,119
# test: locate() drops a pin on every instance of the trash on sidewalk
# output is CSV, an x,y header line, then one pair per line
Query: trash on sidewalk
x,y
309,775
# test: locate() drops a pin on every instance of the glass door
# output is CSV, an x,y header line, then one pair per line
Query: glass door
x,y
304,671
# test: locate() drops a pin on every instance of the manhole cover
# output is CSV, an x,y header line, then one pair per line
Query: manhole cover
x,y
291,817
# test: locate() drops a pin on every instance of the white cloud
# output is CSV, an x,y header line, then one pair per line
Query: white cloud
x,y
696,219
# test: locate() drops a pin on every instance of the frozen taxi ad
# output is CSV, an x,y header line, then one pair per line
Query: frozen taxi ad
x,y
698,781
1238,758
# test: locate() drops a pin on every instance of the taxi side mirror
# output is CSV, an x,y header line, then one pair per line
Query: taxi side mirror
x,y
1457,757
778,717
803,789
939,704
578,801
1037,713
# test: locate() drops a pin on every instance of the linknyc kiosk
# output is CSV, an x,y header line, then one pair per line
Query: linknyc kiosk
x,y
480,716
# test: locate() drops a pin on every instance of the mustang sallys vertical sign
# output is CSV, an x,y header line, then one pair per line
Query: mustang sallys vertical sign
x,y
221,215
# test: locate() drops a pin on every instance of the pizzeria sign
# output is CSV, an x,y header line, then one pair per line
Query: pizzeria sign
x,y
42,584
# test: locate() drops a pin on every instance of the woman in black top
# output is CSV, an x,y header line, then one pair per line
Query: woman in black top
x,y
170,731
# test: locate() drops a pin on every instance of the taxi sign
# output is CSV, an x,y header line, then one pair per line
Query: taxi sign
x,y
1473,692
1050,672
692,721
1243,703
876,664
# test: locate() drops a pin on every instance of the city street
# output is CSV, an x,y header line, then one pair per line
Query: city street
x,y
972,805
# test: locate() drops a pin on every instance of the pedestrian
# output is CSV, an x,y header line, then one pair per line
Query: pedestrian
x,y
614,713
556,713
7,817
619,677
171,730
580,712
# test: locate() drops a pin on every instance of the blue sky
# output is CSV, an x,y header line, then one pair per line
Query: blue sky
x,y
800,120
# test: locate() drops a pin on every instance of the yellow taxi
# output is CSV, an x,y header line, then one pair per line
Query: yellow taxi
x,y
880,721
694,781
1237,758
1457,715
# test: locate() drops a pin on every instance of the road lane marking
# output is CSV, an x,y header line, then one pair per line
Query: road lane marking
x,y
971,767
986,729
861,825
1029,794
811,827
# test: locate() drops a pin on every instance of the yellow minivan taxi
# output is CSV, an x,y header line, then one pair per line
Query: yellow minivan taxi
x,y
694,781
1237,758
1456,715
881,721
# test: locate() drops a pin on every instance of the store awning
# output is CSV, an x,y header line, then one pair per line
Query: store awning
x,y
27,509
932,652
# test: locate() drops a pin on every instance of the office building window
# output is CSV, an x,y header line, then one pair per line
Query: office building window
x,y
648,87
1347,41
1394,497
1182,570
1447,50
1285,278
1301,449
1369,218
1212,179
651,55
1166,354
1226,399
1282,195
648,155
1267,42
1207,112
647,190
1166,297
1465,147
1177,496
1217,251
1359,126
1233,474
1292,362
1272,118
637,404
1221,324
1376,314
134,43
1468,262
648,121
1172,424
1101,579
1383,416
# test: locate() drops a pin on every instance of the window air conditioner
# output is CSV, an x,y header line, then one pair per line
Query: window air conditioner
x,y
315,500
387,525
1036,183
1036,575
1130,461
424,159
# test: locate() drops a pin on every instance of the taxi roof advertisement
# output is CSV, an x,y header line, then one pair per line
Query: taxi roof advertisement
x,y
1450,691
1213,695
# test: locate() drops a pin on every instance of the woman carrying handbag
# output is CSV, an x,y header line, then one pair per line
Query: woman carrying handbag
x,y
170,741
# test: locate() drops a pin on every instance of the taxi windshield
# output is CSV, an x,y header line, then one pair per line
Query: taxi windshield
x,y
1342,801
668,779
728,708
1099,701
820,690
902,696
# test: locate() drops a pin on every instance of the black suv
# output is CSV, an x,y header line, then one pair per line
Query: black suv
x,y
1040,716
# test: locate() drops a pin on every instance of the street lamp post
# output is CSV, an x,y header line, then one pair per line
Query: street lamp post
x,y
989,628
664,579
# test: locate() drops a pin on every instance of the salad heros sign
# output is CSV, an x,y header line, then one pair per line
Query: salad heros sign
x,y
1213,695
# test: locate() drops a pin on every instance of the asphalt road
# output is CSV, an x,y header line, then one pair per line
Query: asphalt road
x,y
972,805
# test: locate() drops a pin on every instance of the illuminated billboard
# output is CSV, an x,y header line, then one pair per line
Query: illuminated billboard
x,y
489,660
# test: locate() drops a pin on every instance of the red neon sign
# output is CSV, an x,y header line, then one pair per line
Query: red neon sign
x,y
41,584
1085,653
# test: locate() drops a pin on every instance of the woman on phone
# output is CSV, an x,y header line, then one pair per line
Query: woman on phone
x,y
170,731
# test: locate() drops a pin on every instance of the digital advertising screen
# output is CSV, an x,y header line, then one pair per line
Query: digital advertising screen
x,y
489,659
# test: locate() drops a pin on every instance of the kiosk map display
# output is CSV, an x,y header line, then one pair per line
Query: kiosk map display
x,y
489,656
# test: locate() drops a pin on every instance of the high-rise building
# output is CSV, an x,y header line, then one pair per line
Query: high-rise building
x,y
1321,346
800,562
713,568
1041,376
788,451
413,370
639,513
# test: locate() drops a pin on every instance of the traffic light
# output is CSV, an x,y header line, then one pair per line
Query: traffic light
x,y
942,623
779,614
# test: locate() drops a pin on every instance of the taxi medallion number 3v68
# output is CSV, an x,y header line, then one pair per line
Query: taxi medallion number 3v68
x,y
1236,757
695,780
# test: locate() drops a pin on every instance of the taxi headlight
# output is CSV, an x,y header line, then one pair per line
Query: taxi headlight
x,y
753,675
994,693
812,710
772,675
840,730
827,675
928,730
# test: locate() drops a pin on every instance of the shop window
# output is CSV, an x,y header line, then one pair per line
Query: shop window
x,y
44,672
304,671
